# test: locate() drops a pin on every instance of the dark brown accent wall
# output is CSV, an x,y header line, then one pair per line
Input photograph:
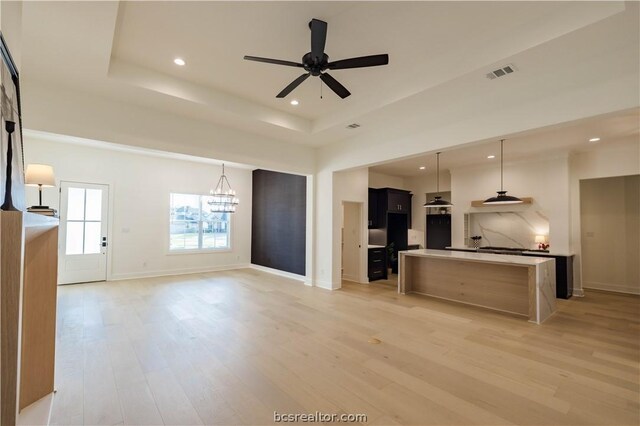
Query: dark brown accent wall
x,y
279,221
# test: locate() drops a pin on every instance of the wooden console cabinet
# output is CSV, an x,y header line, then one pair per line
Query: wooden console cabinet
x,y
28,290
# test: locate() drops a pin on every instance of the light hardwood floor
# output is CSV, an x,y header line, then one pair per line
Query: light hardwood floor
x,y
233,347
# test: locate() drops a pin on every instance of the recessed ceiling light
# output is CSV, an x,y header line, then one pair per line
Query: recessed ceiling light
x,y
422,167
491,157
294,102
594,139
179,61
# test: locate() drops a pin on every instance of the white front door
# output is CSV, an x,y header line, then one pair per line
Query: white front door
x,y
82,253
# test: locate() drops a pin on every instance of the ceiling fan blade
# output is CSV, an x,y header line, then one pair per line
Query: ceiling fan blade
x,y
362,61
318,38
335,85
295,83
273,61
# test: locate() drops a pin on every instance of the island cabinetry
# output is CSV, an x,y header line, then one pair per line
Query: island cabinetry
x,y
28,286
518,285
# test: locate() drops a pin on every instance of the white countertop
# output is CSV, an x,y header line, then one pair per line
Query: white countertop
x,y
552,253
374,246
479,257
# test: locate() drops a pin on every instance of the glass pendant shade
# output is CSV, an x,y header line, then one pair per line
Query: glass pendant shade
x,y
223,198
502,198
437,200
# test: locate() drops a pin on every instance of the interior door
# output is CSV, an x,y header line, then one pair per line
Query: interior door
x,y
82,253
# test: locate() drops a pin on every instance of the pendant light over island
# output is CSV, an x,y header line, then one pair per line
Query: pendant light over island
x,y
437,200
502,197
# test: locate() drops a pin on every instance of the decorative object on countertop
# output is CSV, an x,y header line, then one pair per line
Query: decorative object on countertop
x,y
12,158
44,212
223,198
542,242
475,241
10,126
502,197
437,201
40,175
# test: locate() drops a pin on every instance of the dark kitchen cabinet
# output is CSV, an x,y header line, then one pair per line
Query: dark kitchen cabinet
x,y
391,218
377,263
391,200
398,201
373,208
438,231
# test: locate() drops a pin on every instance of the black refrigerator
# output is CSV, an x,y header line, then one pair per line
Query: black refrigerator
x,y
438,231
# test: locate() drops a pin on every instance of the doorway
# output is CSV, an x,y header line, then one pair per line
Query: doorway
x,y
82,252
610,233
351,240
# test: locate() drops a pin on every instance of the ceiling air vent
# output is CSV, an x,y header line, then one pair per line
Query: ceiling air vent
x,y
501,72
353,126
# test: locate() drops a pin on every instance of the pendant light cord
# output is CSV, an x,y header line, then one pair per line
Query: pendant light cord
x,y
501,164
438,173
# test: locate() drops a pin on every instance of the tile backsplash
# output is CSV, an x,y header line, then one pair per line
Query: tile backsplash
x,y
508,229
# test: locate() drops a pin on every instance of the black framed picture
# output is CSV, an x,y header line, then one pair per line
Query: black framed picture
x,y
11,149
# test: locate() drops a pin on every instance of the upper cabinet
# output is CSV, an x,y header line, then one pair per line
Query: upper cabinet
x,y
398,201
373,208
387,200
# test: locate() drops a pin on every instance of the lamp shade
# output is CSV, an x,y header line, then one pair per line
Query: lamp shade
x,y
540,239
39,174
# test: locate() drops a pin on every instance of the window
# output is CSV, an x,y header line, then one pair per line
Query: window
x,y
193,226
84,221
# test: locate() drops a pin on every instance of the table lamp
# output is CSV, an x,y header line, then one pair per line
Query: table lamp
x,y
40,175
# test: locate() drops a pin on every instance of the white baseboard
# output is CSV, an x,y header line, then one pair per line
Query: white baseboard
x,y
350,278
611,287
182,271
38,413
327,285
285,274
578,292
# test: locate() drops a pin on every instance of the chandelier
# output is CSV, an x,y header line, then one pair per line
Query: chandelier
x,y
223,198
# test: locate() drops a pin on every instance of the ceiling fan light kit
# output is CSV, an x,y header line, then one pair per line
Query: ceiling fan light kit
x,y
316,62
502,197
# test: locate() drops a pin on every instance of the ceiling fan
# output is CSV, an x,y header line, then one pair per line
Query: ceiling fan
x,y
317,62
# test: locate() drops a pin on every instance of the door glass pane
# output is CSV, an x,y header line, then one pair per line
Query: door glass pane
x,y
92,237
74,237
94,204
75,204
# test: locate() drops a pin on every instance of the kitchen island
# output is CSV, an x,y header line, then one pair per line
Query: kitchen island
x,y
516,284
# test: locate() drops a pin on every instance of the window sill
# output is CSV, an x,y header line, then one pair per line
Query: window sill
x,y
198,251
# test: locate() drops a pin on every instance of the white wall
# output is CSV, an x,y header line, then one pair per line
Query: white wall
x,y
139,188
380,180
606,160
